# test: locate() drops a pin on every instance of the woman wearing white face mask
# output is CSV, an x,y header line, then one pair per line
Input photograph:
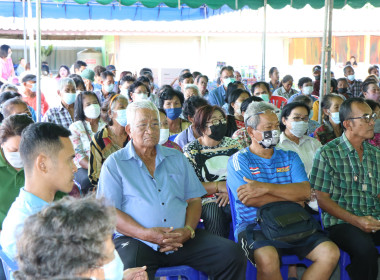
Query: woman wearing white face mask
x,y
164,132
11,166
331,128
124,85
111,138
138,92
87,123
72,247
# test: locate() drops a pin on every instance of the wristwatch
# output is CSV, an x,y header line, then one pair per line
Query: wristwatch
x,y
192,232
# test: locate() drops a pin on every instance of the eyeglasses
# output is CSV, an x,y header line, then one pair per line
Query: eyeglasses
x,y
298,119
217,122
367,118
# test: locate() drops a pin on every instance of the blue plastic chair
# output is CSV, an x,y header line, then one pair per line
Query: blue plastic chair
x,y
8,265
287,260
186,272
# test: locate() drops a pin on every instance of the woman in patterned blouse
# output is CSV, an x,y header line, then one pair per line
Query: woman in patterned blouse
x,y
111,138
209,155
87,123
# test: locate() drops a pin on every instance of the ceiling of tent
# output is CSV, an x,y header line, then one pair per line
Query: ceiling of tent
x,y
237,4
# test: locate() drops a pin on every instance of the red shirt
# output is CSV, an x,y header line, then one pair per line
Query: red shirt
x,y
32,102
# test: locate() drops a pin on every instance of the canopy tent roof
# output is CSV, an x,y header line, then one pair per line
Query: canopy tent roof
x,y
236,4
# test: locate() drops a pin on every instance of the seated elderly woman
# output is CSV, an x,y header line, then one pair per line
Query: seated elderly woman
x,y
69,239
286,89
111,137
172,101
87,123
209,156
202,81
191,90
313,125
11,166
158,200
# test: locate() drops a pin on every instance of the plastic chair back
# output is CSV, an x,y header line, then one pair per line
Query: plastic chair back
x,y
186,272
8,264
278,101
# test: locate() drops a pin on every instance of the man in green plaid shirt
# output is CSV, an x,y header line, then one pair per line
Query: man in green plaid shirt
x,y
346,175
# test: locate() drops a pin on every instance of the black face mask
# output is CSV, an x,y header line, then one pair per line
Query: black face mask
x,y
342,90
218,131
317,78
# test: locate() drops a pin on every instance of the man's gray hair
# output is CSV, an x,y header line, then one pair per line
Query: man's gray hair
x,y
252,114
134,106
192,86
66,239
62,83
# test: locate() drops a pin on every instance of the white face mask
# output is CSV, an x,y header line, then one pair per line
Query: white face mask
x,y
92,111
114,270
109,88
14,159
351,77
335,117
164,135
124,91
299,128
307,90
140,97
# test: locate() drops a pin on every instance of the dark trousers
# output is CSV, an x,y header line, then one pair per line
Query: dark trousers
x,y
82,178
216,219
216,256
361,248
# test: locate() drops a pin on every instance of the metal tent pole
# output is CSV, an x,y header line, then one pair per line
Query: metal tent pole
x,y
322,85
329,48
24,33
38,54
264,42
32,55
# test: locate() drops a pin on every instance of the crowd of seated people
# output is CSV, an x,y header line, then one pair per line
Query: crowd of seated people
x,y
164,172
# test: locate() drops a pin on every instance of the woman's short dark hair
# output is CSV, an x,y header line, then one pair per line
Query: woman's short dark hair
x,y
345,111
41,137
99,69
304,99
203,115
230,88
286,79
271,71
370,69
143,79
184,76
287,110
65,239
258,84
248,101
135,85
125,79
200,77
6,107
4,51
13,126
169,94
233,97
63,66
77,80
191,105
78,106
327,102
6,95
366,84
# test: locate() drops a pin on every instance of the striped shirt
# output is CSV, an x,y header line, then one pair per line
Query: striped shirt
x,y
284,167
352,184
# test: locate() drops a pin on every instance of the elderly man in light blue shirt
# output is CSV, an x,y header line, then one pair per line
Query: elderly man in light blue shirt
x,y
47,155
157,196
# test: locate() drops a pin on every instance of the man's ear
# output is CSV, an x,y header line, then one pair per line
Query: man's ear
x,y
347,124
250,131
128,130
41,163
